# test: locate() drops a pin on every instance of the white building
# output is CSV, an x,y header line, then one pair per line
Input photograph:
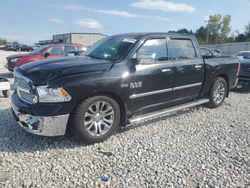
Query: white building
x,y
80,38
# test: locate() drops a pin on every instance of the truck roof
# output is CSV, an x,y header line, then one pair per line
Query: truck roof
x,y
143,34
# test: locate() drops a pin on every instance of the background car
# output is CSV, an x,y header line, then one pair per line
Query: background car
x,y
12,47
48,51
210,53
244,74
243,55
2,47
25,48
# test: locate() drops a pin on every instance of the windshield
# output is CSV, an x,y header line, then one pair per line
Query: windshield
x,y
38,50
111,48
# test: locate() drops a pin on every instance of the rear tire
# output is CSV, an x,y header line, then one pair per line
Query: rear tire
x,y
95,119
218,93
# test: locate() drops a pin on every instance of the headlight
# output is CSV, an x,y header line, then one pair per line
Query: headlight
x,y
14,60
46,94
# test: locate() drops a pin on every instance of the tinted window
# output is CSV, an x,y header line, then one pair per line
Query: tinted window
x,y
155,48
56,50
182,49
69,48
39,50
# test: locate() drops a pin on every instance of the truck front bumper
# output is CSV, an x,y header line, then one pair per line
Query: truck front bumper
x,y
40,125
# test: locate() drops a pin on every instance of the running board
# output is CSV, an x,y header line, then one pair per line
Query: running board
x,y
167,111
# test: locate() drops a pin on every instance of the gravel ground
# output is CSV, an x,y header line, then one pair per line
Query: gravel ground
x,y
199,147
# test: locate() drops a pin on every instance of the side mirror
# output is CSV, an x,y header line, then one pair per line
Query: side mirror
x,y
132,64
46,54
134,61
146,59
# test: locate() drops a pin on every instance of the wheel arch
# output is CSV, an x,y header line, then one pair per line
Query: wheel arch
x,y
121,103
227,80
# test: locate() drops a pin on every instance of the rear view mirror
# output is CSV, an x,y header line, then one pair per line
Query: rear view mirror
x,y
146,59
46,54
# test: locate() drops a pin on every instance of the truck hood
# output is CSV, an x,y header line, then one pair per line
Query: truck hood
x,y
43,71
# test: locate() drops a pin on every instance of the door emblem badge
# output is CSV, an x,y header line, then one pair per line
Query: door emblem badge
x,y
135,85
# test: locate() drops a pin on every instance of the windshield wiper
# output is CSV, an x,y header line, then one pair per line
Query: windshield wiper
x,y
92,56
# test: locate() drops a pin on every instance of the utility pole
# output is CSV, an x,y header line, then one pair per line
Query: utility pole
x,y
207,31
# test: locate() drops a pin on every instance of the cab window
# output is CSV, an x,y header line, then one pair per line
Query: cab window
x,y
155,48
55,50
182,49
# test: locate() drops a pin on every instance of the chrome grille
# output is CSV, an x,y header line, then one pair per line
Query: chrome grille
x,y
24,88
245,69
26,96
22,82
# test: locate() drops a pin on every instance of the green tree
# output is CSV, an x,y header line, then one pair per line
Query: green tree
x,y
247,28
3,41
241,38
225,29
213,27
184,30
219,28
15,43
247,31
201,35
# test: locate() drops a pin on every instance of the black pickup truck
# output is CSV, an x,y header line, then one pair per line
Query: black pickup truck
x,y
121,79
244,74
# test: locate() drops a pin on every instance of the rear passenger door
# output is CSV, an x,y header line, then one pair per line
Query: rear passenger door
x,y
188,68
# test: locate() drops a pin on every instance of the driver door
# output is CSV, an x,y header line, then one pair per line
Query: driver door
x,y
152,81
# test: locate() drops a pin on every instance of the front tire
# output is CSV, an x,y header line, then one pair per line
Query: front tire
x,y
218,93
95,119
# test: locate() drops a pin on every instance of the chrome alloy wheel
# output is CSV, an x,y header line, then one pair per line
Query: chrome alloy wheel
x,y
219,93
99,118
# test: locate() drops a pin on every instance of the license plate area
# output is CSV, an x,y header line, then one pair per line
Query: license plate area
x,y
4,86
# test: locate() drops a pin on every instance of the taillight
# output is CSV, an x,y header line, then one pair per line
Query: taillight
x,y
238,71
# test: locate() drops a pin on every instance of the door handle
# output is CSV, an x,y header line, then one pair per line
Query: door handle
x,y
165,70
198,66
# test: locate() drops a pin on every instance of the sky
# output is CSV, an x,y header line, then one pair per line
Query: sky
x,y
29,21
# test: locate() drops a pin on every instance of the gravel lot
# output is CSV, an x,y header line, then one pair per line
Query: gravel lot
x,y
199,147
